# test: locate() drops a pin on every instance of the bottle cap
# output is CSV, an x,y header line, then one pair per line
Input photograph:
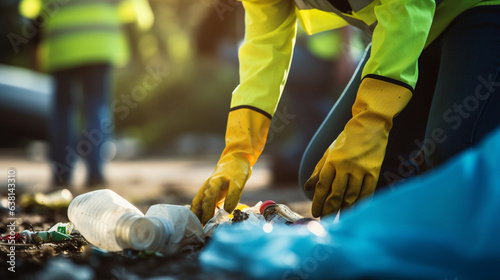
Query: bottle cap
x,y
265,204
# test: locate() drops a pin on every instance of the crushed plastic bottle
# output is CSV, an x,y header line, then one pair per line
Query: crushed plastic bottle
x,y
220,218
56,199
60,198
278,213
242,214
110,222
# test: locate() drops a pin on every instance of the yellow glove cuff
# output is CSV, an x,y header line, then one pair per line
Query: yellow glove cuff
x,y
382,96
246,133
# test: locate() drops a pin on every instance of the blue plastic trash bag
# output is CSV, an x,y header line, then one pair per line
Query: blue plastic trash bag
x,y
443,225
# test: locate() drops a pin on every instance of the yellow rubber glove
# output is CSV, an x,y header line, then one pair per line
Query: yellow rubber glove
x,y
349,169
246,135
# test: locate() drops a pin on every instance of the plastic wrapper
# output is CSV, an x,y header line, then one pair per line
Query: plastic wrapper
x,y
65,228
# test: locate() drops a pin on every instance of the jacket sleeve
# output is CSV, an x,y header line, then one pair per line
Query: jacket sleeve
x,y
399,38
270,30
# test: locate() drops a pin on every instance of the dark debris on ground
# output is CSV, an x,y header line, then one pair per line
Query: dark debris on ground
x,y
76,259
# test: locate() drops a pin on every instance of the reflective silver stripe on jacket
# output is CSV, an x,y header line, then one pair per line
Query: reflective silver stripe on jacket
x,y
358,5
70,3
326,6
81,29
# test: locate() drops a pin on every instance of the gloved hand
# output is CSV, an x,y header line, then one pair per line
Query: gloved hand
x,y
349,169
246,135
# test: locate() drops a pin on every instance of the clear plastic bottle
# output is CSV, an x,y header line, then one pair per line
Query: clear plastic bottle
x,y
278,213
110,222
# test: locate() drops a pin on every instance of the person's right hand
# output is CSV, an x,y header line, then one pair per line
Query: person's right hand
x,y
225,185
245,139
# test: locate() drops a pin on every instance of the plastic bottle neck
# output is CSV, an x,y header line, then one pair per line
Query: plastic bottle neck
x,y
166,229
134,231
123,232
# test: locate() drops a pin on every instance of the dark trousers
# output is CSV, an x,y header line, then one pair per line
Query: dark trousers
x,y
456,102
81,123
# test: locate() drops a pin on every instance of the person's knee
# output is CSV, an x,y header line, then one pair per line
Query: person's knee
x,y
435,158
437,146
441,146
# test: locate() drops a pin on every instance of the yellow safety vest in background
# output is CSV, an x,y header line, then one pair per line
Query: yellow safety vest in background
x,y
82,32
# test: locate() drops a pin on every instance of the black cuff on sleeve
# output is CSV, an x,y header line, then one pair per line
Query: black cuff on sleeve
x,y
389,80
253,109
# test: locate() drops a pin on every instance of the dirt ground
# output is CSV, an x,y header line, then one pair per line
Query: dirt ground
x,y
144,182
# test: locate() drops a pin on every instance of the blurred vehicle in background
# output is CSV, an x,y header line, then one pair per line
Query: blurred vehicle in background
x,y
24,104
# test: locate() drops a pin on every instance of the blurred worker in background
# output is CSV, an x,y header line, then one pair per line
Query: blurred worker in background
x,y
444,54
81,43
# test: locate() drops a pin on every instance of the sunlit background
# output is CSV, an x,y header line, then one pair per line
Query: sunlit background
x,y
191,41
169,101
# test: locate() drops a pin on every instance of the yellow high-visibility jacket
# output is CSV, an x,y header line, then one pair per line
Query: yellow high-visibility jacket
x,y
82,32
400,30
